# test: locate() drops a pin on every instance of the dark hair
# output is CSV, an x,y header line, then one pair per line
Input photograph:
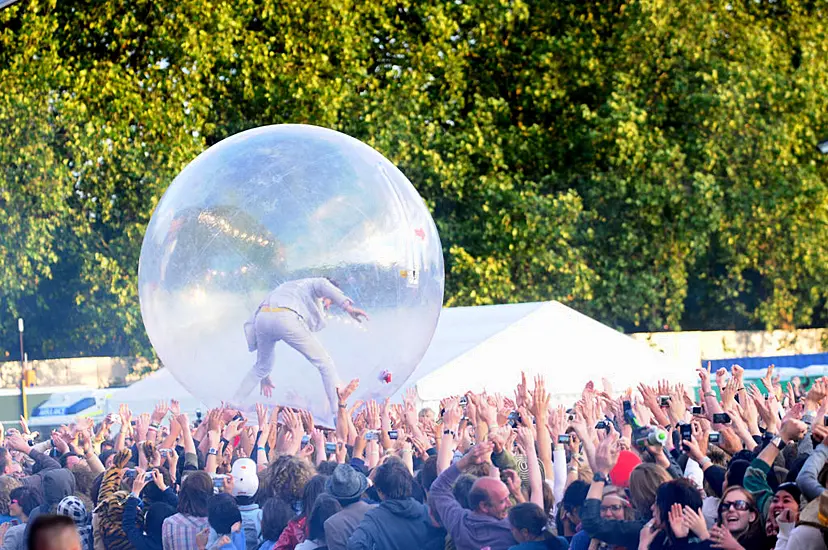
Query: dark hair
x,y
735,474
276,514
462,487
575,495
528,516
104,456
154,520
532,518
28,499
678,491
151,492
394,480
46,526
196,490
223,513
327,467
313,488
429,473
324,507
64,458
96,487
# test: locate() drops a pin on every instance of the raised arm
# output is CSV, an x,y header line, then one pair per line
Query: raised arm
x,y
526,439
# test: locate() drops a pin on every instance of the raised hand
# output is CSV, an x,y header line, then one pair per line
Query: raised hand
x,y
767,380
261,415
606,454
704,378
720,378
452,414
512,480
479,454
373,415
676,517
696,523
344,393
307,420
126,415
160,412
540,400
138,484
722,538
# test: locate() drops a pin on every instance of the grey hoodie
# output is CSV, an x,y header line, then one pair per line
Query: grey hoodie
x,y
397,525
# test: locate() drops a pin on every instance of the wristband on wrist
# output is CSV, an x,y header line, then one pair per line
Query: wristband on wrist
x,y
212,451
449,432
154,426
704,461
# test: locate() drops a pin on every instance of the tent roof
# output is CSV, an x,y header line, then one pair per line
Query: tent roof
x,y
486,347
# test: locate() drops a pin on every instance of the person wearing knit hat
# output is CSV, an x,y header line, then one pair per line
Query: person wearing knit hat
x,y
620,474
74,508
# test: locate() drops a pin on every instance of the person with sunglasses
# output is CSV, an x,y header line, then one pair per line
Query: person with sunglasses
x,y
739,524
23,501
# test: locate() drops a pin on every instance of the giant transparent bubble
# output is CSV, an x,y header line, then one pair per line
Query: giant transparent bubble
x,y
290,205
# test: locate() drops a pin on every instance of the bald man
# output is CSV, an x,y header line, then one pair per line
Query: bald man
x,y
485,524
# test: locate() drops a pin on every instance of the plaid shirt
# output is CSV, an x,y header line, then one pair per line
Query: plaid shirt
x,y
179,532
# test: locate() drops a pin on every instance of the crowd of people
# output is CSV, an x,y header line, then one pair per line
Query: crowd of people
x,y
735,466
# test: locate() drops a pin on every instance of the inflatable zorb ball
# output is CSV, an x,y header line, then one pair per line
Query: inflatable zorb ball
x,y
252,251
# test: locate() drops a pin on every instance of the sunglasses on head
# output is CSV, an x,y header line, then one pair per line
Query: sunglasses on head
x,y
14,501
738,505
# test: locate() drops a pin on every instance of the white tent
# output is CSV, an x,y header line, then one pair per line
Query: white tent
x,y
486,347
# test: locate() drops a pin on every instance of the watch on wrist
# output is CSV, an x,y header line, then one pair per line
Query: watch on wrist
x,y
212,451
598,477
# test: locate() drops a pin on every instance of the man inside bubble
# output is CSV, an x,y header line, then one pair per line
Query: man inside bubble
x,y
291,313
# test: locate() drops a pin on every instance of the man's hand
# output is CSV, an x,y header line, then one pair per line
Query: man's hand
x,y
126,415
229,484
267,387
344,393
139,483
16,442
357,314
792,430
720,378
261,414
767,380
512,480
452,414
692,449
525,438
479,454
606,454
183,421
160,412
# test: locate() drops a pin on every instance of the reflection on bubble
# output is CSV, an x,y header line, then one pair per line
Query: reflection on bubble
x,y
286,203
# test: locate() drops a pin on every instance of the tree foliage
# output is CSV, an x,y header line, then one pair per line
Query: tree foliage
x,y
651,163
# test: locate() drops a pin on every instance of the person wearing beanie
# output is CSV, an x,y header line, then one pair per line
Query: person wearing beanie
x,y
74,508
245,486
346,485
225,524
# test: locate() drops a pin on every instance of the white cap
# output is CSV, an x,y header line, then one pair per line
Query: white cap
x,y
245,478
